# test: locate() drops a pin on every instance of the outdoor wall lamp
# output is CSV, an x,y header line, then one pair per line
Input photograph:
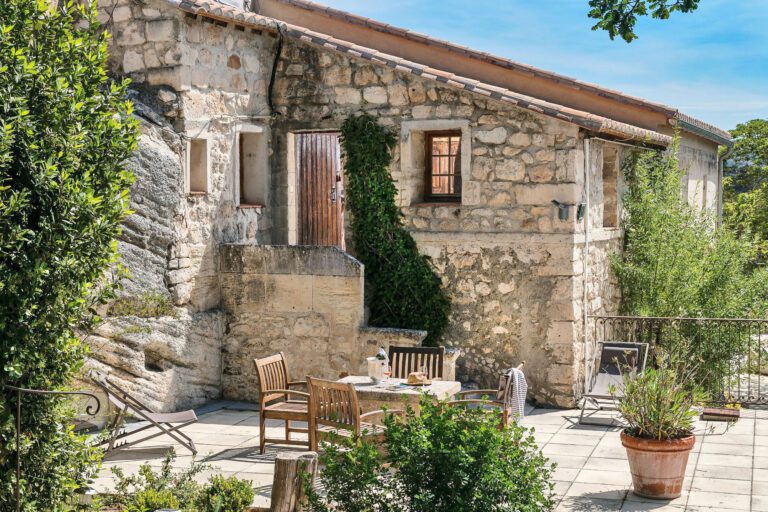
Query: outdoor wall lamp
x,y
564,209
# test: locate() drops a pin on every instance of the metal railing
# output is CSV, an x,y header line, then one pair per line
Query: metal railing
x,y
732,353
90,410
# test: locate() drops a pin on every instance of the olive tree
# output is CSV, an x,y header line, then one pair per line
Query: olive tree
x,y
65,130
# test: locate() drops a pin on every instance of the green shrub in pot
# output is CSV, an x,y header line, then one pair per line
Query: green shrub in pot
x,y
658,408
659,403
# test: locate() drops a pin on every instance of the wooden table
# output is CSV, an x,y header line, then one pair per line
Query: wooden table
x,y
394,394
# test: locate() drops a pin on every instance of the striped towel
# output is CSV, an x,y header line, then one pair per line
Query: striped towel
x,y
513,386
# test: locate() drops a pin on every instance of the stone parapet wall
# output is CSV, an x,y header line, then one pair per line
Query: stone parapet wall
x,y
304,302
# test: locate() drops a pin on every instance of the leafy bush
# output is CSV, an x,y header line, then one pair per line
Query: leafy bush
x,y
678,263
447,459
65,130
150,500
133,492
147,491
225,495
401,283
658,403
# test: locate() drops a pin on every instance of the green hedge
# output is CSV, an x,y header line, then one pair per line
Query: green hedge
x,y
65,130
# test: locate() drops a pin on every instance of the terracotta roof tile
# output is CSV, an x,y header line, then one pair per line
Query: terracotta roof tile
x,y
584,119
510,64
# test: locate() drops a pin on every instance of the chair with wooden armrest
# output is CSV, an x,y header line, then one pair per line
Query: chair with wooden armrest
x,y
277,401
334,411
405,360
488,399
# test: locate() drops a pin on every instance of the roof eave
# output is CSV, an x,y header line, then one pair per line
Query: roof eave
x,y
589,121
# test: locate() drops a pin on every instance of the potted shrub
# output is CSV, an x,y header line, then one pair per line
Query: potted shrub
x,y
658,408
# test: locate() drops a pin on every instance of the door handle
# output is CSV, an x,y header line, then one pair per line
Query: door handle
x,y
333,194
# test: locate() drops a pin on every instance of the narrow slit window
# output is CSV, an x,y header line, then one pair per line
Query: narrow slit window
x,y
443,166
198,166
253,169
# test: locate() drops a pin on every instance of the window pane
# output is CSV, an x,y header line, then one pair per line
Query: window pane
x,y
440,145
455,145
444,154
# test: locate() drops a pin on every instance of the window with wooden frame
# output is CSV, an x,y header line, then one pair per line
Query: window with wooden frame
x,y
443,166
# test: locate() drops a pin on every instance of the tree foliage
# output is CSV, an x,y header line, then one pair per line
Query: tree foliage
x,y
618,17
745,206
64,131
447,459
401,286
676,261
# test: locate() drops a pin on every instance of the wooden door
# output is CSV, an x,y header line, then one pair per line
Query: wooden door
x,y
320,189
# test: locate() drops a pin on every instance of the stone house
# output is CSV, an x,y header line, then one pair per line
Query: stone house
x,y
509,178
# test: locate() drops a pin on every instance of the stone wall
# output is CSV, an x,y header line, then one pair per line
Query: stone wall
x,y
209,83
174,361
515,271
191,80
510,265
305,302
699,159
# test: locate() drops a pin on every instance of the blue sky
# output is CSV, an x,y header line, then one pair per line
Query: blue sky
x,y
712,64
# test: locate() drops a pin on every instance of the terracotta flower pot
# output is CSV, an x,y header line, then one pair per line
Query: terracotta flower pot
x,y
658,467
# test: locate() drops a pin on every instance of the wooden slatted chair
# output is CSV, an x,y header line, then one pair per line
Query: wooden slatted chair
x,y
169,424
490,399
405,360
335,411
276,402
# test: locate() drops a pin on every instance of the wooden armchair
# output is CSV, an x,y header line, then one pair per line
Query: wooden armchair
x,y
405,360
335,411
488,399
276,400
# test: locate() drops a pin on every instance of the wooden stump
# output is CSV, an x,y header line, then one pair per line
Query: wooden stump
x,y
288,486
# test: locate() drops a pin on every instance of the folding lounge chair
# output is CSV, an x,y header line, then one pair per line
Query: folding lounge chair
x,y
616,359
169,424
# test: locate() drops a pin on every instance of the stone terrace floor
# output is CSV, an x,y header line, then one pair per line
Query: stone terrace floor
x,y
728,470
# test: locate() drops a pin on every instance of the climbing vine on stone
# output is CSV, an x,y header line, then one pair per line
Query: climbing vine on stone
x,y
402,287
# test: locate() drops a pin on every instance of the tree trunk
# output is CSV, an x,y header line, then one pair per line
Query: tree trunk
x,y
288,486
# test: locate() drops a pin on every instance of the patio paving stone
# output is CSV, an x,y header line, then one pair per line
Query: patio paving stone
x,y
720,500
728,469
721,485
724,472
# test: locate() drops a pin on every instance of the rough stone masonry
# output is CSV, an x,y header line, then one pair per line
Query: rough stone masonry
x,y
517,273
